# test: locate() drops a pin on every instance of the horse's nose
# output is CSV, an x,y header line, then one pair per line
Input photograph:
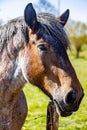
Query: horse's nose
x,y
71,97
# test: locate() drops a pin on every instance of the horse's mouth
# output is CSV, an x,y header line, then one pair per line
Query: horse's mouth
x,y
61,111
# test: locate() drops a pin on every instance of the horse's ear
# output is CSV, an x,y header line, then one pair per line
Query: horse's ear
x,y
64,17
30,16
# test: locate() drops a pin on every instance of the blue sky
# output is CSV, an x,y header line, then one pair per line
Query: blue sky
x,y
10,9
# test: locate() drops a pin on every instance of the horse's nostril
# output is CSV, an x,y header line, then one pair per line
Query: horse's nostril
x,y
71,97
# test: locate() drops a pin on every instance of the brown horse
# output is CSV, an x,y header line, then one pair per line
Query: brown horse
x,y
33,50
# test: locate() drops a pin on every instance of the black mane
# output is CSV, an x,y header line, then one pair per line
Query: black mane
x,y
53,27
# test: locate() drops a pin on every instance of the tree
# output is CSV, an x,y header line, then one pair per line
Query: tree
x,y
77,32
45,6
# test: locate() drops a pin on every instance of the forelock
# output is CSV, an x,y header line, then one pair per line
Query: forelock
x,y
53,28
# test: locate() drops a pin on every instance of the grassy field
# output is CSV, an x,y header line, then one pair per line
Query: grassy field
x,y
37,102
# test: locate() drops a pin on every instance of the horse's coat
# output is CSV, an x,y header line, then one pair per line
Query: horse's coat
x,y
33,50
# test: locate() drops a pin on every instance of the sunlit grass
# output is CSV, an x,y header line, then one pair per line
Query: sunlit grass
x,y
37,102
37,105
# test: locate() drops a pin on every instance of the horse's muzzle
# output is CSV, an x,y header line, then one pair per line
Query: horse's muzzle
x,y
61,110
65,109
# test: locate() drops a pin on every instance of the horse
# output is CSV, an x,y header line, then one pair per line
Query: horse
x,y
33,49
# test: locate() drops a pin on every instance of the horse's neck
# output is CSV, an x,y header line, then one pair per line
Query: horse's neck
x,y
11,78
10,71
12,40
9,60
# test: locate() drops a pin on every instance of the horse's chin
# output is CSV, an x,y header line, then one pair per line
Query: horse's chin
x,y
60,111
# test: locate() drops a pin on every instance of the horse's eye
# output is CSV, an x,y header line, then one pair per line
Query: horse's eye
x,y
42,47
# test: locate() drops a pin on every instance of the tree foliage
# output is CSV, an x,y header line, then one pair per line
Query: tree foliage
x,y
45,6
77,32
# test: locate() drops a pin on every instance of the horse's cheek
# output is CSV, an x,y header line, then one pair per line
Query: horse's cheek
x,y
35,70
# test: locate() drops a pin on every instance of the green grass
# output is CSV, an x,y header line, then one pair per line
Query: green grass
x,y
37,102
37,105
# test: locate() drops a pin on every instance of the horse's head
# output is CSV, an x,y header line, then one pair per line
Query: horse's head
x,y
46,62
